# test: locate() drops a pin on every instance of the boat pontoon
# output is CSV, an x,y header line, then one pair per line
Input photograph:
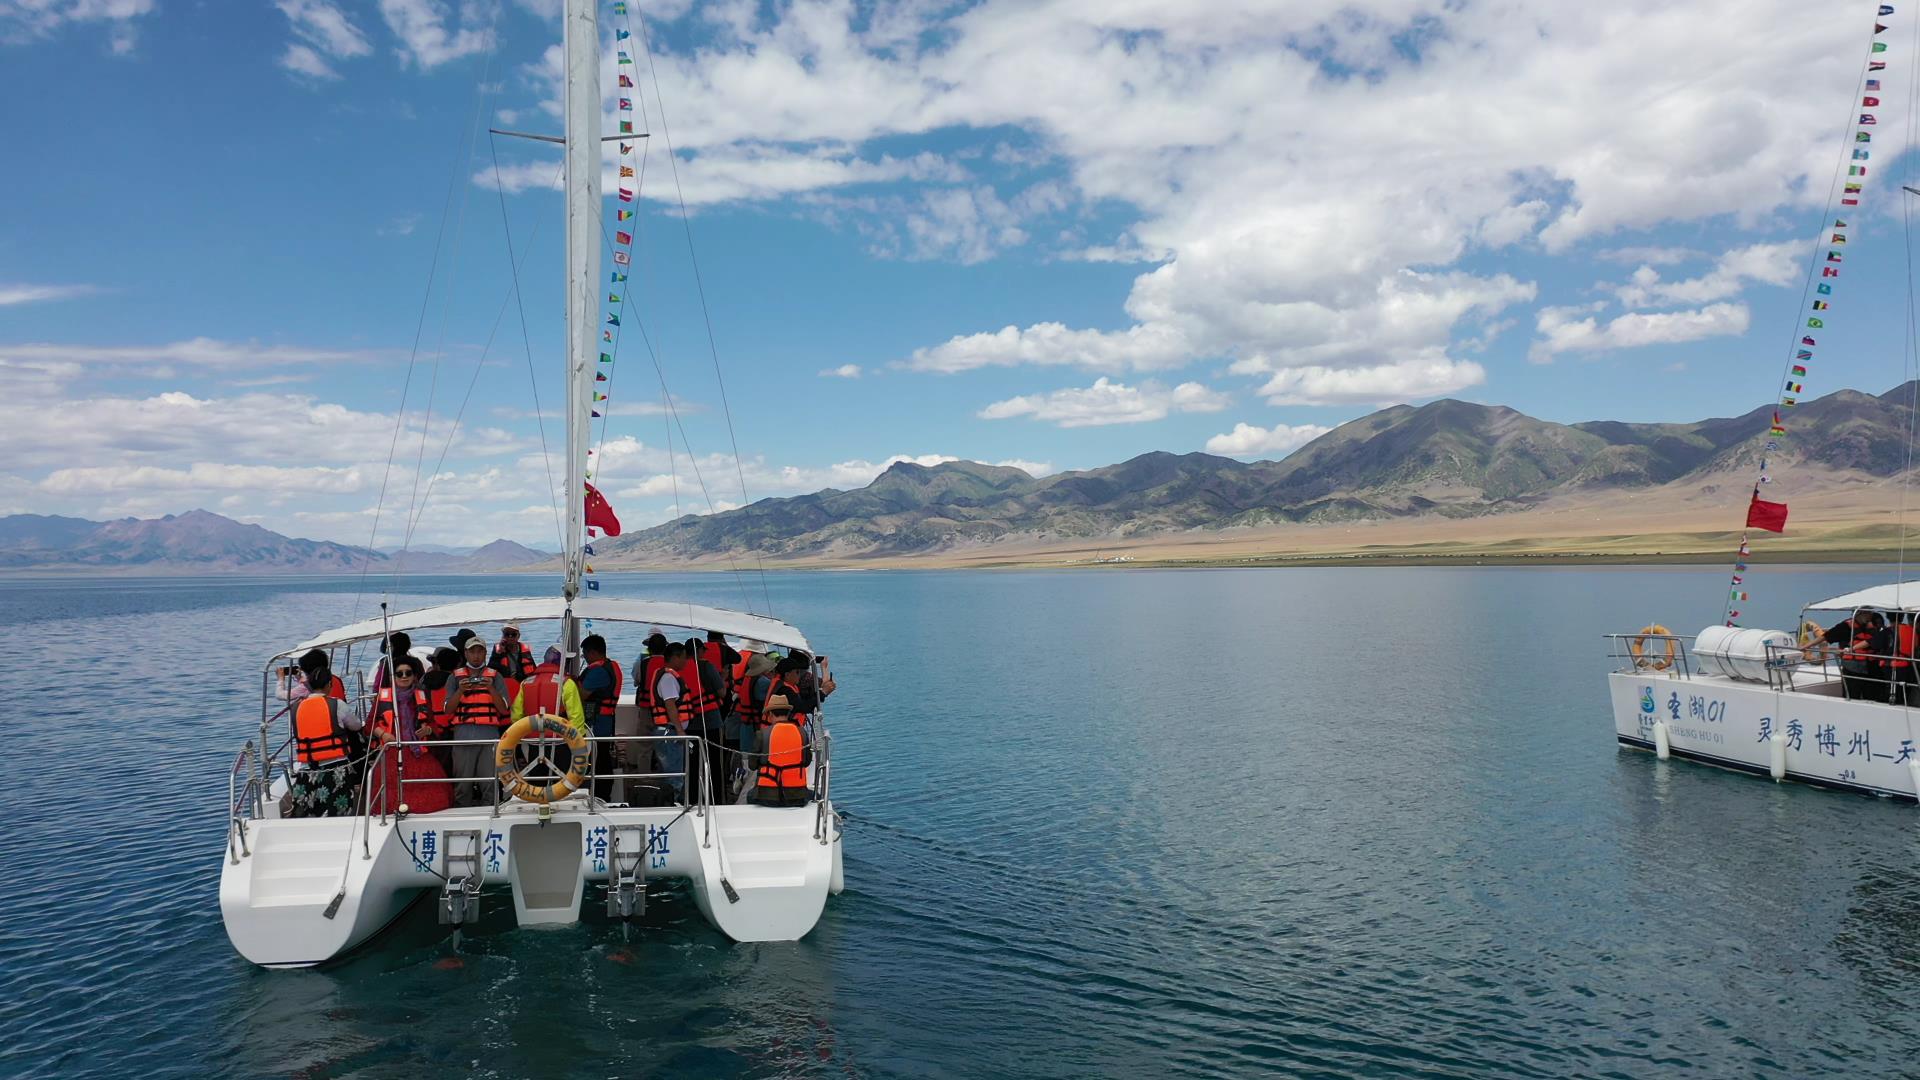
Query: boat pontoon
x,y
1772,702
300,891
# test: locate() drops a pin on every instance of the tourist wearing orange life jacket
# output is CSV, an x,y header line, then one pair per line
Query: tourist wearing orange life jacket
x,y
600,684
403,712
549,689
324,762
669,702
1904,687
781,776
704,709
752,682
511,658
477,703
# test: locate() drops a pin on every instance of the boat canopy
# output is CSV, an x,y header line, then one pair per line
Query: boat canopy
x,y
672,613
1898,596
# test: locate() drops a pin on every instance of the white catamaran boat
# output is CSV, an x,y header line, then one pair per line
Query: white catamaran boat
x,y
297,891
1833,709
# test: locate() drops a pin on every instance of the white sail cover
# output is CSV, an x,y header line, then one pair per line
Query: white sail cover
x,y
662,613
1899,596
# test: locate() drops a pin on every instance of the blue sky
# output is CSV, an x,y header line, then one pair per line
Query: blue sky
x,y
1056,233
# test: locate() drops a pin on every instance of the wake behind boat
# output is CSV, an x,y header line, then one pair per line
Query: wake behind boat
x,y
352,801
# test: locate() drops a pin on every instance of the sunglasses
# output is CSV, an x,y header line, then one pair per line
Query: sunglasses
x,y
509,633
405,675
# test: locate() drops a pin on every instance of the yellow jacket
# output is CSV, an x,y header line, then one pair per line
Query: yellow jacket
x,y
569,702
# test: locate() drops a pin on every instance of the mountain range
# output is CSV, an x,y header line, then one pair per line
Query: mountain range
x,y
1448,457
207,542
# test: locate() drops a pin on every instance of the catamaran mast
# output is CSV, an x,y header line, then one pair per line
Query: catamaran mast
x,y
582,130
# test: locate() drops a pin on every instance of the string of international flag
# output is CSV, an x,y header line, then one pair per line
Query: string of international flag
x,y
1769,515
600,518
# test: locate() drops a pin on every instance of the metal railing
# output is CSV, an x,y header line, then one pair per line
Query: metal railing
x,y
1881,678
1659,654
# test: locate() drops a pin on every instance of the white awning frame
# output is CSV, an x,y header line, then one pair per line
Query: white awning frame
x,y
1898,596
663,613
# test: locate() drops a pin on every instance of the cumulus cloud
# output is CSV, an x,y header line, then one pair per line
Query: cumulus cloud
x,y
1250,440
1372,384
1260,150
1108,402
323,32
432,32
1768,264
844,371
1562,330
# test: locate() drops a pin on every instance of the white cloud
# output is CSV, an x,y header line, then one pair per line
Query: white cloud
x,y
1562,331
1141,348
1035,469
204,476
197,352
27,20
1249,440
34,294
1652,255
422,27
324,32
1107,402
303,60
1768,264
1374,384
1260,150
844,371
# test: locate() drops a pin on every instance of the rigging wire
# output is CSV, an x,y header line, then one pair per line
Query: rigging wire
x,y
446,308
419,332
526,342
453,431
713,346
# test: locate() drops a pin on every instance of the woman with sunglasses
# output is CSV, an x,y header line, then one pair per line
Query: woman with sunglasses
x,y
404,712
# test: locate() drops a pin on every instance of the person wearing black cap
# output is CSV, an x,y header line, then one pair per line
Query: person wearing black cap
x,y
327,745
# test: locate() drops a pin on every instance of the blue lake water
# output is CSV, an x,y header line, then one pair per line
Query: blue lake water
x,y
1341,822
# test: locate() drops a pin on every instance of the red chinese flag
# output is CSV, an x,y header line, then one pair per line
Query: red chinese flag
x,y
600,515
1761,514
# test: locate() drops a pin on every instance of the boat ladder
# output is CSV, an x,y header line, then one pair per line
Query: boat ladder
x,y
627,872
460,896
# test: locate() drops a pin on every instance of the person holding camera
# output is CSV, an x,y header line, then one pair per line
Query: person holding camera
x,y
479,698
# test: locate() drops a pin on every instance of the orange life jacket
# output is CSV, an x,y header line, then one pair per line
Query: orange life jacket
x,y
504,656
695,702
605,707
475,705
742,686
658,707
1903,649
788,756
438,698
316,740
542,690
384,720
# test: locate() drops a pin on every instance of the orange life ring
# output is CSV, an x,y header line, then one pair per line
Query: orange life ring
x,y
516,785
1637,645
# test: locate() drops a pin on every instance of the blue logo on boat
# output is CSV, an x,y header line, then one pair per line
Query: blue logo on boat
x,y
1646,700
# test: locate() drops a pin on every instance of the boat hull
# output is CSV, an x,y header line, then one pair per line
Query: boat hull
x,y
1827,740
274,897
